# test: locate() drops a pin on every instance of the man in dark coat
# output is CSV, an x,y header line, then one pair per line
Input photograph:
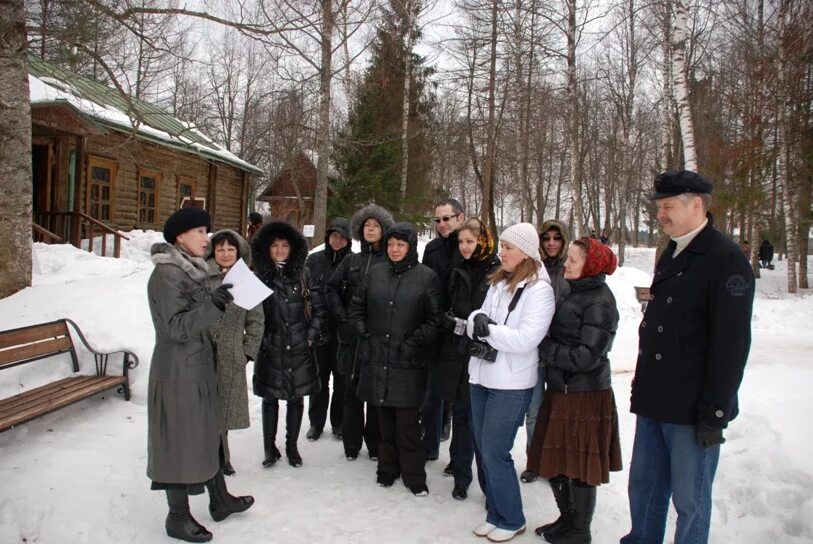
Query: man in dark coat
x,y
321,266
694,343
441,255
396,313
766,254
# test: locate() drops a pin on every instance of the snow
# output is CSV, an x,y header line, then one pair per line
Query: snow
x,y
78,475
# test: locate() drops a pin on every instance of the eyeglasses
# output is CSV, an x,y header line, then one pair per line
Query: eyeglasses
x,y
445,218
549,238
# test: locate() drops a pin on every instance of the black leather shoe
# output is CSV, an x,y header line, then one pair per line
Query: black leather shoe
x,y
529,476
292,453
221,503
313,434
271,457
460,493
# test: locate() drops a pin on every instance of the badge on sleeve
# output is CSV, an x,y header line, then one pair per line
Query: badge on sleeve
x,y
736,285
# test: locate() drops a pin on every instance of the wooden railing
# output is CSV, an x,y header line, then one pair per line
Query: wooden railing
x,y
41,234
76,226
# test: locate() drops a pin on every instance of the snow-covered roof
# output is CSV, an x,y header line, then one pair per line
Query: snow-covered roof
x,y
50,84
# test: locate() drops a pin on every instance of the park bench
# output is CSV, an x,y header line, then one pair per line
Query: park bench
x,y
46,340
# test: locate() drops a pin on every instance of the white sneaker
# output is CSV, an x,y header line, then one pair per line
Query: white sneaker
x,y
504,535
484,529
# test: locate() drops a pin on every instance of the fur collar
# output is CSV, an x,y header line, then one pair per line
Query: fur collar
x,y
194,267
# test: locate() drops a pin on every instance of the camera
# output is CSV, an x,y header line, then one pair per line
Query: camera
x,y
483,351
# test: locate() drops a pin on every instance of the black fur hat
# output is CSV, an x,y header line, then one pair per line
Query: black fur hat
x,y
185,219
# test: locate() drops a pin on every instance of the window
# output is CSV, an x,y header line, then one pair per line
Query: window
x,y
149,184
186,189
101,188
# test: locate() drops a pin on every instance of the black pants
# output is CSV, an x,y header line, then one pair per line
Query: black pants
x,y
400,450
354,426
326,358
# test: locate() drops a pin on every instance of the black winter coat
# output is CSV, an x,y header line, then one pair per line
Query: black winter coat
x,y
468,285
442,255
396,313
696,333
285,368
580,337
321,265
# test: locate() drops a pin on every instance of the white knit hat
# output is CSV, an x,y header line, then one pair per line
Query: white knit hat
x,y
524,237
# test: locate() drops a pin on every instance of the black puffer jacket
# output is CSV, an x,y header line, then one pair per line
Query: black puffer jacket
x,y
321,264
344,281
581,336
285,368
468,285
442,255
396,312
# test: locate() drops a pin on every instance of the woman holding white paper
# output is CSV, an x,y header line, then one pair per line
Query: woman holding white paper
x,y
236,337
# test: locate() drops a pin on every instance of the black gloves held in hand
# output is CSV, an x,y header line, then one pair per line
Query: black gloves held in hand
x,y
481,323
447,320
708,436
221,296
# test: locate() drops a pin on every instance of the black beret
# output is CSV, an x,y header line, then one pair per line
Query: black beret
x,y
678,182
185,219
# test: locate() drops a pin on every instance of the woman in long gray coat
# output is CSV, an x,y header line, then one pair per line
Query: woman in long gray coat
x,y
236,337
186,447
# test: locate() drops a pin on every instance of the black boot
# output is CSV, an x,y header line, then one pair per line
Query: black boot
x,y
221,503
293,424
180,523
270,412
584,504
564,500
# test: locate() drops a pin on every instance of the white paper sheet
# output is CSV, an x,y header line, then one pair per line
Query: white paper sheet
x,y
247,290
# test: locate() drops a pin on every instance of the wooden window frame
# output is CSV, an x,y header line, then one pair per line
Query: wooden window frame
x,y
158,177
113,166
185,180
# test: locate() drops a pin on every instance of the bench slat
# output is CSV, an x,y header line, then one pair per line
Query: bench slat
x,y
38,393
79,389
29,351
32,334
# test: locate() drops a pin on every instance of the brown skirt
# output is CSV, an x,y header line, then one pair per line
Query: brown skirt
x,y
576,435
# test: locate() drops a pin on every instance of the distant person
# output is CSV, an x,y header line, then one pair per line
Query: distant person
x,y
766,254
321,265
506,331
441,255
255,223
745,245
554,252
186,446
576,442
236,336
693,345
396,312
368,226
294,319
605,238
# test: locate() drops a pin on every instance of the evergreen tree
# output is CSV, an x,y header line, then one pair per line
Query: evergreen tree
x,y
368,152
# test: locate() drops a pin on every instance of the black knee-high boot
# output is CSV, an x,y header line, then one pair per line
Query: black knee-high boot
x,y
180,524
560,485
293,424
584,505
270,412
221,503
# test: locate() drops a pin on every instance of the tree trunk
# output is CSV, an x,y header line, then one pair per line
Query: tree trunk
x,y
411,11
573,119
681,89
487,206
323,136
15,152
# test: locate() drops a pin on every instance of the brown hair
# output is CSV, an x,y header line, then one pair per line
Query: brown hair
x,y
526,270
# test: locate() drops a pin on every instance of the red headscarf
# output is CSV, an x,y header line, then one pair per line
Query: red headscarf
x,y
600,258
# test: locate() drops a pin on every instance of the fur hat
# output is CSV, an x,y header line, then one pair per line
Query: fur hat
x,y
185,219
600,258
278,230
524,237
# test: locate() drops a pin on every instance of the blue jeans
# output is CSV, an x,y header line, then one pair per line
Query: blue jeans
x,y
666,461
533,408
496,415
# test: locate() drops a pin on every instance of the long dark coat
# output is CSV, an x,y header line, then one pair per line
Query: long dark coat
x,y
468,285
184,424
396,311
580,337
696,333
236,338
285,368
322,264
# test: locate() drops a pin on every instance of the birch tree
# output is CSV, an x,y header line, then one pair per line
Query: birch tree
x,y
681,84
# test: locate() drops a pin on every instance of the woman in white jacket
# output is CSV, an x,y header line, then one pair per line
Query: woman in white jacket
x,y
513,320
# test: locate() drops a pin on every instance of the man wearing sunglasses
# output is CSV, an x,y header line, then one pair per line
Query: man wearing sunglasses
x,y
441,255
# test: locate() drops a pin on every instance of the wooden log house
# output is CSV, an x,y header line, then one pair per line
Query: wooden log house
x,y
105,163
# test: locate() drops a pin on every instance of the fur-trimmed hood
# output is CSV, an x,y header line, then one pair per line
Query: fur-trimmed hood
x,y
558,225
357,223
164,253
243,250
263,264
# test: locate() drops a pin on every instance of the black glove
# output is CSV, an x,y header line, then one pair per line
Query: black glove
x,y
221,296
447,320
708,436
481,323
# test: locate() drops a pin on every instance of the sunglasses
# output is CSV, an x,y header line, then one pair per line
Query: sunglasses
x,y
549,238
445,218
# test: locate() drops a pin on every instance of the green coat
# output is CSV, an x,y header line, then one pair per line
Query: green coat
x,y
236,338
